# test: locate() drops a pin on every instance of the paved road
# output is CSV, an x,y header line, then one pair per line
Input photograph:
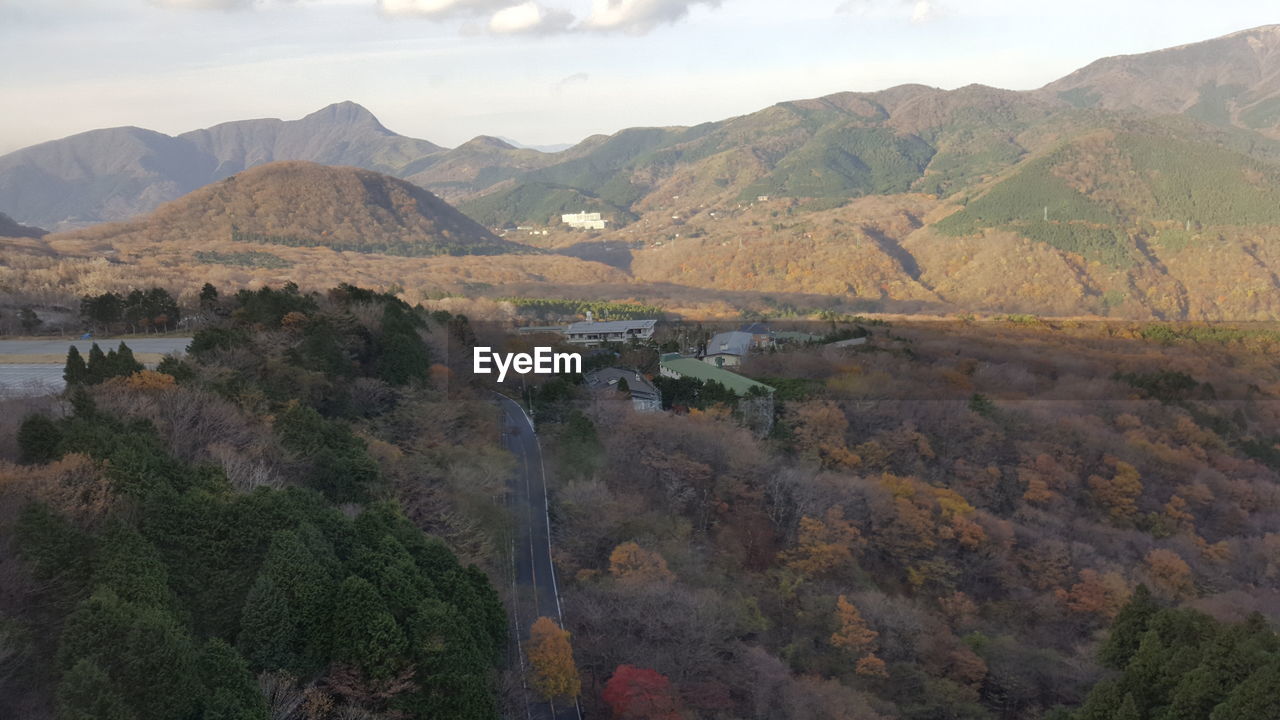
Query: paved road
x,y
533,580
162,346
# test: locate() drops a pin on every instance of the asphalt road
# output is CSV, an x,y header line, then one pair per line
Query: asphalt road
x,y
533,578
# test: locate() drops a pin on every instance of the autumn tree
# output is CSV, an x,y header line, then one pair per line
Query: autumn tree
x,y
555,674
852,633
635,693
1118,496
819,434
824,544
855,637
1096,594
1170,572
631,562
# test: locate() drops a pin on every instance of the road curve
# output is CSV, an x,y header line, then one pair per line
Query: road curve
x,y
534,590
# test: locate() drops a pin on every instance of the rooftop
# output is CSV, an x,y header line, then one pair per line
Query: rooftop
x,y
608,377
610,326
694,368
735,342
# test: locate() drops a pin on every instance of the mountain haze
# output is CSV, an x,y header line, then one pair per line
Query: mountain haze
x,y
1144,186
118,173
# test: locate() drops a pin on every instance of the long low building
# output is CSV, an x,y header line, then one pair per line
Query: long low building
x,y
680,367
591,333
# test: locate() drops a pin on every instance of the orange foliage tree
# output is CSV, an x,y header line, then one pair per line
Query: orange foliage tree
x,y
823,544
1118,495
631,562
854,636
555,674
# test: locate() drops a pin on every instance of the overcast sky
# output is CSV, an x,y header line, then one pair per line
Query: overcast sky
x,y
542,71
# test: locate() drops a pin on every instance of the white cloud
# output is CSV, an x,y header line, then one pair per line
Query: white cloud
x,y
529,18
923,12
204,4
638,16
440,8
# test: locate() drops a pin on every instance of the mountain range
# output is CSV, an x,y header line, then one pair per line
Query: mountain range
x,y
1132,187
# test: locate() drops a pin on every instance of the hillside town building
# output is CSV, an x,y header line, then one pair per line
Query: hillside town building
x,y
589,333
584,220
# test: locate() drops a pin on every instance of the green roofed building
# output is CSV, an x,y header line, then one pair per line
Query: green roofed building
x,y
755,399
678,367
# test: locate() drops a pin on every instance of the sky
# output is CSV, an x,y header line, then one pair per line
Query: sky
x,y
540,72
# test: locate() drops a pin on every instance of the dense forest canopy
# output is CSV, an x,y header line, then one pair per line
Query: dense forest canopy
x,y
231,534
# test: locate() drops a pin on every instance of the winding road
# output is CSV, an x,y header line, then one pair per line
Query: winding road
x,y
534,590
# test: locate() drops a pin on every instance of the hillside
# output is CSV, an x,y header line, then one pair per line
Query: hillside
x,y
1229,81
12,229
300,204
119,173
315,225
340,134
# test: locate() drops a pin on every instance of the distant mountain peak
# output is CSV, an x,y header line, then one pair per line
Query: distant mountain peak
x,y
488,141
345,113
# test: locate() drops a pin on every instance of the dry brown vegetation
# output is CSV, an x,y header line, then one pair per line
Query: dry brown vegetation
x,y
943,523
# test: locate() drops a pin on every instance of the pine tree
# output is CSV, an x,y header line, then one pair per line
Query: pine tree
x,y
231,692
38,440
1257,698
1128,629
87,693
1128,710
132,567
124,364
269,637
75,371
208,297
307,587
365,635
97,366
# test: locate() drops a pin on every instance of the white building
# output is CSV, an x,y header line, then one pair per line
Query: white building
x,y
596,333
584,220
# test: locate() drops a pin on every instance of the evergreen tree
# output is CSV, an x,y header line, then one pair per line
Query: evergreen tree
x,y
365,635
39,438
97,365
123,364
307,587
1257,698
131,567
1128,710
75,372
29,320
402,355
269,637
231,693
208,297
87,693
1129,627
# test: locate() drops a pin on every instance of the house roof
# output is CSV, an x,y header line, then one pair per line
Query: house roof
x,y
797,336
694,368
735,342
608,377
609,326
